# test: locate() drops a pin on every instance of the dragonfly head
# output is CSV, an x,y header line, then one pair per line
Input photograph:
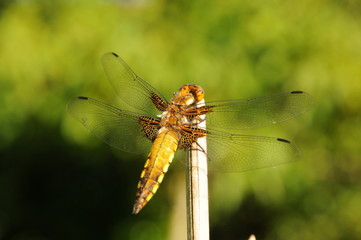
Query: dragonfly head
x,y
195,90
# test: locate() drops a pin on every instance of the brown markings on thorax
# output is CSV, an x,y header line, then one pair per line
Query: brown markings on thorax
x,y
182,107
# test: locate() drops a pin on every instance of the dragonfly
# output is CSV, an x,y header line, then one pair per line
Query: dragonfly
x,y
174,127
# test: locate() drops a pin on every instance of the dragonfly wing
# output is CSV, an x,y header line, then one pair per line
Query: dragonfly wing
x,y
235,153
258,112
132,89
118,128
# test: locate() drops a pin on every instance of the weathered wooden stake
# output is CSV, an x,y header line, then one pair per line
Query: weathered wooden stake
x,y
197,188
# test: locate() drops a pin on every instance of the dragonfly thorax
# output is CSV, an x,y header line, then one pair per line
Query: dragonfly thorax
x,y
175,115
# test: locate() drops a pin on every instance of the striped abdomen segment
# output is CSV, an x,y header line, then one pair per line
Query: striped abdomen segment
x,y
157,164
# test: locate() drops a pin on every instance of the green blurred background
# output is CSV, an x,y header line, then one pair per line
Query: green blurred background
x,y
57,181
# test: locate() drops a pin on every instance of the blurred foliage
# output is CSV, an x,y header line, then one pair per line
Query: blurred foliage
x,y
59,182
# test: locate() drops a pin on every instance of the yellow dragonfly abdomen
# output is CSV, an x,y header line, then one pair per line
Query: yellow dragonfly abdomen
x,y
157,164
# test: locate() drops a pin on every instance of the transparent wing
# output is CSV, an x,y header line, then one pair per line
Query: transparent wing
x,y
258,112
234,153
118,128
131,89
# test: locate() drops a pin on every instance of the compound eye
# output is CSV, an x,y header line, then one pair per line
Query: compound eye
x,y
199,94
184,89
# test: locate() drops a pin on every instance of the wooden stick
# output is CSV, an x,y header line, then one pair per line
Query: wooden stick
x,y
197,188
252,237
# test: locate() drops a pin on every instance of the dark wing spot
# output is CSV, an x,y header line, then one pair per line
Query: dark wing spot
x,y
296,92
115,54
84,98
283,140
